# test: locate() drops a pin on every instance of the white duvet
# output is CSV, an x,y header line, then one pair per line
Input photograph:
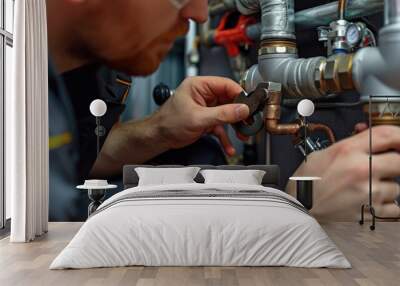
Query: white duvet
x,y
188,231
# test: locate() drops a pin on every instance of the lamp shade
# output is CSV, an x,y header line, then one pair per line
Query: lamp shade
x,y
98,107
305,107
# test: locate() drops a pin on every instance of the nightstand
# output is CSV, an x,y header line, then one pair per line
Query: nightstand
x,y
96,191
304,190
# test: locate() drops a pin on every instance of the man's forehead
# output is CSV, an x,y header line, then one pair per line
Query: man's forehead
x,y
179,4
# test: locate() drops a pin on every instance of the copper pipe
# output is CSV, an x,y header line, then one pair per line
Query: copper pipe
x,y
312,127
273,127
342,9
272,115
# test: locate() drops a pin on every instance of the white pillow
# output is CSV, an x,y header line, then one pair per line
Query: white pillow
x,y
248,177
163,176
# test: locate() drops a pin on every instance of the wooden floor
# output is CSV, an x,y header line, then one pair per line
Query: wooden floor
x,y
375,257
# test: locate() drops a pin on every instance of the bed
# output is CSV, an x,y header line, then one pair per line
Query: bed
x,y
198,224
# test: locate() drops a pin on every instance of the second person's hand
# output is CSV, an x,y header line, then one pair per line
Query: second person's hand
x,y
344,169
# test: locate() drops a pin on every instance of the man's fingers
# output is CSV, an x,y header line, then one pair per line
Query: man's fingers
x,y
386,165
385,192
226,143
215,90
227,113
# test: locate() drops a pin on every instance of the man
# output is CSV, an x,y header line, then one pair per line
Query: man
x,y
133,36
83,33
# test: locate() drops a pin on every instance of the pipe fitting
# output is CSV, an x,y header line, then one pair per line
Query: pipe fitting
x,y
376,70
277,17
334,74
278,61
272,115
268,47
273,127
380,114
296,75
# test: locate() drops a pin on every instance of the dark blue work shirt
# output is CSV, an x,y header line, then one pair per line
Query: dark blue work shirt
x,y
72,141
64,199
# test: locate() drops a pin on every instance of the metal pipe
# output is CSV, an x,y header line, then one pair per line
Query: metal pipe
x,y
295,75
375,70
191,51
272,115
309,18
206,35
276,17
278,60
222,6
324,14
342,9
392,9
312,127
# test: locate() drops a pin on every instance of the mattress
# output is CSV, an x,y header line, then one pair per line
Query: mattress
x,y
201,225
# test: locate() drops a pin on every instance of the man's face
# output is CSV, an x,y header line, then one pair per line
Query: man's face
x,y
135,35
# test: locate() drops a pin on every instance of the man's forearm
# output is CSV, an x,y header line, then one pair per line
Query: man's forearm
x,y
133,142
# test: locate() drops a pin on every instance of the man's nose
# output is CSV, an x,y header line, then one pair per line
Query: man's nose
x,y
197,10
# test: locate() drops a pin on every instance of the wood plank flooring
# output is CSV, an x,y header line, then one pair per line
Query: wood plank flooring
x,y
375,257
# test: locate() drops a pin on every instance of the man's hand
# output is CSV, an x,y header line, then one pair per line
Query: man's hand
x,y
200,105
344,169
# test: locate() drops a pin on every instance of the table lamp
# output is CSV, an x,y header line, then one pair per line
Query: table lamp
x,y
97,188
98,108
304,184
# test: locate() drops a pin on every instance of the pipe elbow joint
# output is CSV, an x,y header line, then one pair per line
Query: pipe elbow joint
x,y
273,127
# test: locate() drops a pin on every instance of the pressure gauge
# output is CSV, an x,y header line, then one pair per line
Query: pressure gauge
x,y
353,35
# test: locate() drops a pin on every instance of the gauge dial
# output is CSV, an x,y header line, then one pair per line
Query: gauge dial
x,y
353,35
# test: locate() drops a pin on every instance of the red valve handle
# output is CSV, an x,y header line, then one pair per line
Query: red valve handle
x,y
231,38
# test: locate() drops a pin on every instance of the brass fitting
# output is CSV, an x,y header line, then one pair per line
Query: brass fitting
x,y
387,118
335,74
268,47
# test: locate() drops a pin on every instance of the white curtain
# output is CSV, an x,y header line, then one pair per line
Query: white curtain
x,y
27,124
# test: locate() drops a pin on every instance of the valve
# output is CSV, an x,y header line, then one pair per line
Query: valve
x,y
231,37
232,33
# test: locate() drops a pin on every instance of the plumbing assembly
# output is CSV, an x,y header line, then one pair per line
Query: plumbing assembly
x,y
353,62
